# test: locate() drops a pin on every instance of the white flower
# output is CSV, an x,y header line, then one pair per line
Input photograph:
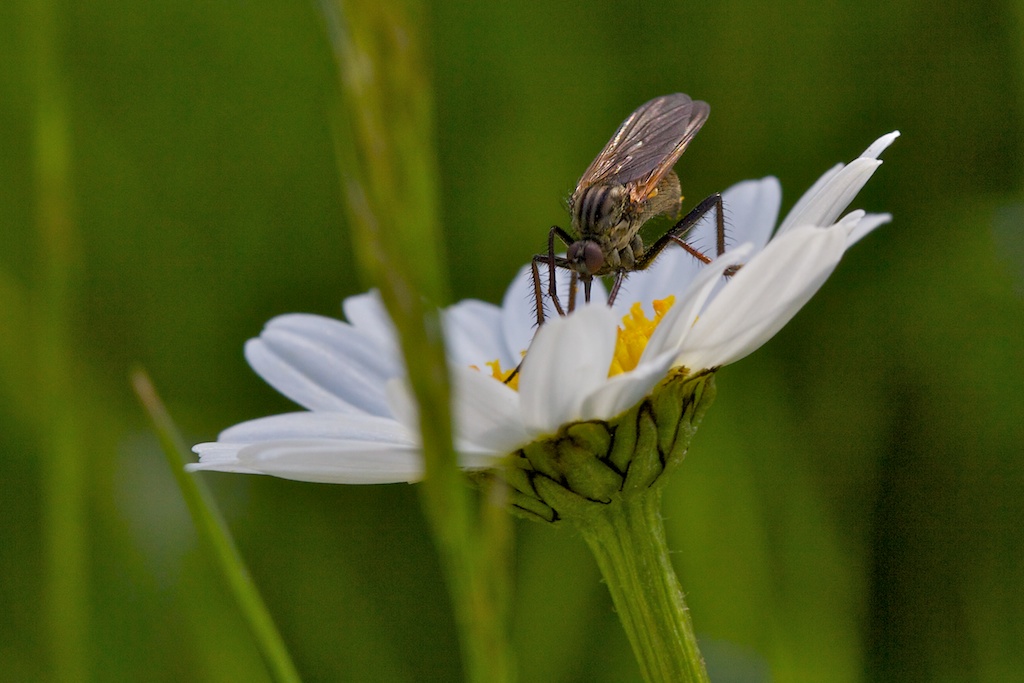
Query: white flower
x,y
359,426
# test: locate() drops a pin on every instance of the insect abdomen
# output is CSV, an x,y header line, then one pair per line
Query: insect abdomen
x,y
667,200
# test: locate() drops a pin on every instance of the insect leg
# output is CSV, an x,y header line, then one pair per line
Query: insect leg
x,y
538,297
553,260
678,232
619,277
574,279
538,293
586,288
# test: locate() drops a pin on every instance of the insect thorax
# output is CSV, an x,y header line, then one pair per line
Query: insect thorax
x,y
600,210
611,214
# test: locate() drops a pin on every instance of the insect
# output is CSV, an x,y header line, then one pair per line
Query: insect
x,y
629,182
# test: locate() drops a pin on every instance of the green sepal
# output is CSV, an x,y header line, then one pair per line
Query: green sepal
x,y
646,465
589,465
624,444
590,436
523,499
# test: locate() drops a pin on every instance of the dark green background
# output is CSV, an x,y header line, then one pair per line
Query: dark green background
x,y
852,508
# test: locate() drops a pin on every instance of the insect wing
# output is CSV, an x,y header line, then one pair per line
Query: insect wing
x,y
647,145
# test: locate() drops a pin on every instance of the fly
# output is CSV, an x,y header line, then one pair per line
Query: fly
x,y
630,182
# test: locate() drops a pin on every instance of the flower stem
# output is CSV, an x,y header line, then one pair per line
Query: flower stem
x,y
628,540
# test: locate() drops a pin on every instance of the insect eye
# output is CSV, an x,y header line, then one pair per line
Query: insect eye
x,y
593,257
588,254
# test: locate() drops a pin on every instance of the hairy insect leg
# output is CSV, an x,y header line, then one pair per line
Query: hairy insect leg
x,y
538,289
552,262
614,293
574,279
538,296
677,234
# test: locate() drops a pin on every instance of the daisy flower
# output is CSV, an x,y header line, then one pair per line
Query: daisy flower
x,y
676,322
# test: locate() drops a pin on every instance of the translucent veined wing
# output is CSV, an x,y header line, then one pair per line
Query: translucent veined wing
x,y
647,145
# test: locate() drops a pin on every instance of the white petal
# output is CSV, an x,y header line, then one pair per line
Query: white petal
x,y
751,210
800,208
283,376
337,462
623,391
568,360
487,412
878,146
402,405
678,321
323,364
220,457
670,275
834,191
865,225
473,334
824,208
318,425
474,458
519,321
762,297
369,315
471,453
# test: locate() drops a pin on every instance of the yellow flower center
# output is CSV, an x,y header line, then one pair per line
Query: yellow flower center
x,y
634,333
503,375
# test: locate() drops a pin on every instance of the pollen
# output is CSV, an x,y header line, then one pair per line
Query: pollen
x,y
504,375
634,333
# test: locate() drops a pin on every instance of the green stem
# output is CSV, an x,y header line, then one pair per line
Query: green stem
x,y
213,531
389,173
65,473
628,540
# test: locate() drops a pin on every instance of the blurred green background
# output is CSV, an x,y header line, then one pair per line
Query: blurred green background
x,y
852,508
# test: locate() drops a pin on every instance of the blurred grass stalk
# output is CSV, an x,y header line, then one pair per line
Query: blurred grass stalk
x,y
388,172
58,420
213,531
